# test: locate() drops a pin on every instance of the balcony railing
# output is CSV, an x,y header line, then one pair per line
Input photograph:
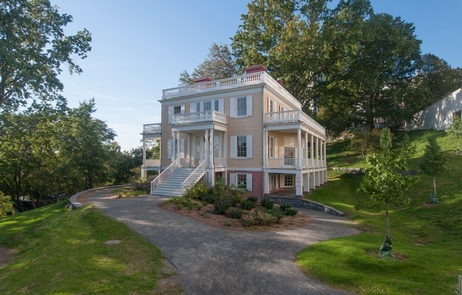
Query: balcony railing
x,y
205,116
152,128
215,85
292,163
292,116
152,163
219,162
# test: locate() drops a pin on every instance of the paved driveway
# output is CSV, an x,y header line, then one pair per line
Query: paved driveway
x,y
221,261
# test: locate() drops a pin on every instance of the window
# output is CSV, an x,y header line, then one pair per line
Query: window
x,y
176,110
198,107
456,114
289,155
217,105
242,106
271,106
242,180
207,106
197,154
289,180
216,146
241,146
271,147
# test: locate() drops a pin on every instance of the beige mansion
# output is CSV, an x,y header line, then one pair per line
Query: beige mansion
x,y
248,130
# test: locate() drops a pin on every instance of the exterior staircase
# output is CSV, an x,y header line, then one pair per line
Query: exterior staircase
x,y
171,186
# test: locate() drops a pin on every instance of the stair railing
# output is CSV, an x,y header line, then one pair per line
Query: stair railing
x,y
164,175
193,177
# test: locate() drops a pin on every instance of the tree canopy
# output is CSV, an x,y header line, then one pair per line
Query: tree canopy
x,y
33,48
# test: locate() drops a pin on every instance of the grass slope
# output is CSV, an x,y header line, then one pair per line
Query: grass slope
x,y
63,252
428,237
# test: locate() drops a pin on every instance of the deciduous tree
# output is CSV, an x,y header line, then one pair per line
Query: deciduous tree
x,y
33,48
433,161
455,130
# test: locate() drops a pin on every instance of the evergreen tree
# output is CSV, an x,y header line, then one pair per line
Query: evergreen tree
x,y
433,161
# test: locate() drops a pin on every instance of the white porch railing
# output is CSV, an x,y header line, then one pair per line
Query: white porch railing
x,y
292,116
215,85
164,175
292,163
205,116
219,162
152,163
152,128
193,177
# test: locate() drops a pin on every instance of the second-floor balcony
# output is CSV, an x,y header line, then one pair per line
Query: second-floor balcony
x,y
199,117
292,116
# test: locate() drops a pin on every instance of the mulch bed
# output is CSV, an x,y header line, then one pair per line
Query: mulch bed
x,y
206,216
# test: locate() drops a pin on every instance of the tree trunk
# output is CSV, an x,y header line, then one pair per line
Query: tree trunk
x,y
434,185
386,219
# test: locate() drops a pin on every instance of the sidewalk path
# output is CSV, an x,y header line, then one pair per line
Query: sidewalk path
x,y
220,261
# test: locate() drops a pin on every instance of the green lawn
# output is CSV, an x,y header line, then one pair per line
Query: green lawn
x,y
427,236
63,252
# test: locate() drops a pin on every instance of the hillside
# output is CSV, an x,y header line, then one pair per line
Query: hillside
x,y
426,238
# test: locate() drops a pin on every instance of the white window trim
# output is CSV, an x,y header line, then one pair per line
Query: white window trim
x,y
233,107
233,147
233,180
171,109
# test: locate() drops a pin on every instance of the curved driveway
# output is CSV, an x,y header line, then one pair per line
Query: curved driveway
x,y
220,261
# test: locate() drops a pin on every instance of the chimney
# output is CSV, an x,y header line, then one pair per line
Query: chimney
x,y
202,79
255,69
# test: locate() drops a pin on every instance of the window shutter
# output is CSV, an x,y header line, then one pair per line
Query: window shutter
x,y
169,149
249,146
232,179
182,108
192,107
221,106
276,155
232,147
170,114
232,107
248,179
181,148
249,106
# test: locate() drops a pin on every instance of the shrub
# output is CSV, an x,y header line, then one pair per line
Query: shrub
x,y
143,185
252,199
220,189
199,190
235,214
247,205
238,193
283,207
221,206
209,198
290,212
267,203
258,217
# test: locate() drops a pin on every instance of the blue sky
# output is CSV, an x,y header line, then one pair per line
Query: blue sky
x,y
140,47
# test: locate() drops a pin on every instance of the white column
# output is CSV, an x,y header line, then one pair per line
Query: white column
x,y
299,147
225,146
325,155
266,183
298,183
178,147
211,148
189,150
317,152
306,182
206,147
265,148
173,146
312,147
306,147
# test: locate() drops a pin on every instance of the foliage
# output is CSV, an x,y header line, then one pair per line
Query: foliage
x,y
267,203
383,181
198,190
6,205
218,64
238,193
290,212
365,142
252,199
221,206
284,207
455,130
259,217
408,150
433,161
33,50
426,237
235,213
46,268
247,204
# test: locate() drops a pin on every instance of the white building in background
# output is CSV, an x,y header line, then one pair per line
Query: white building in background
x,y
438,116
